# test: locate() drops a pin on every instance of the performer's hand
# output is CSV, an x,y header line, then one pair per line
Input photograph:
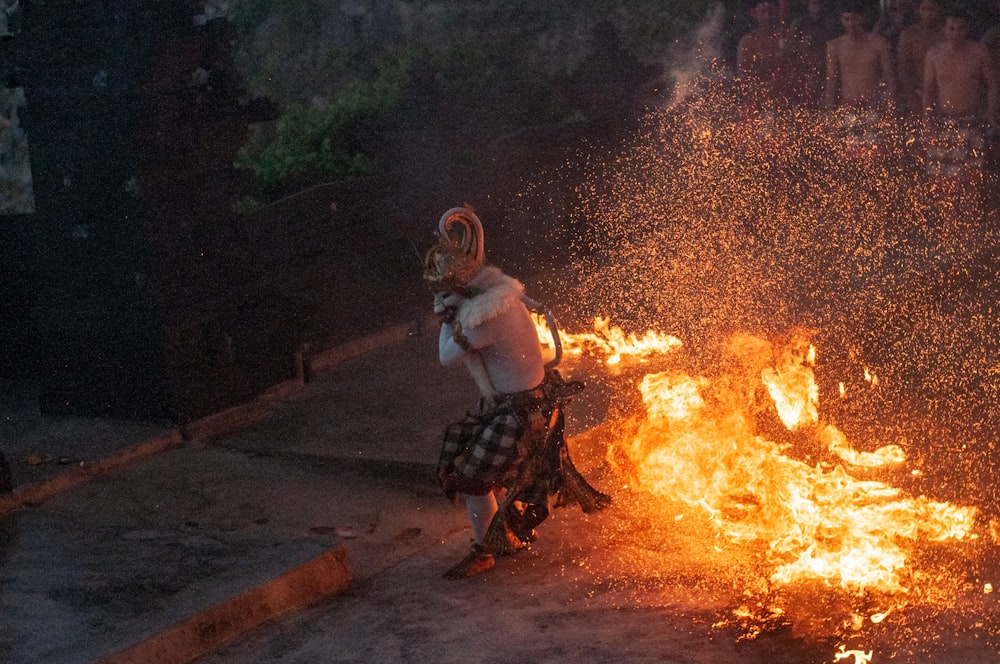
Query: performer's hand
x,y
439,305
447,317
459,336
446,306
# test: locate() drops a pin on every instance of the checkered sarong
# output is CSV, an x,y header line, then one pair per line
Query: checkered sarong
x,y
481,450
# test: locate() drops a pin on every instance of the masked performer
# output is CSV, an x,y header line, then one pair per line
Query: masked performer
x,y
487,326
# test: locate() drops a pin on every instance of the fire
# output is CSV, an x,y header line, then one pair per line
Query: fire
x,y
718,221
859,656
837,443
610,341
699,443
791,384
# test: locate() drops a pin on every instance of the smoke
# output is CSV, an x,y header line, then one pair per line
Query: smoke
x,y
695,56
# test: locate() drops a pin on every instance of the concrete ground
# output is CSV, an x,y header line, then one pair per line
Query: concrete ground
x,y
308,528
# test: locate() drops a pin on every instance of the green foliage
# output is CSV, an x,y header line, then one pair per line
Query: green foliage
x,y
495,76
313,145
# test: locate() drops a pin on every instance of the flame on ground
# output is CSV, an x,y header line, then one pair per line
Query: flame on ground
x,y
609,341
858,656
699,443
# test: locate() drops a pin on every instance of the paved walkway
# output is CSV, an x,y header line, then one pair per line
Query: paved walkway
x,y
307,527
118,533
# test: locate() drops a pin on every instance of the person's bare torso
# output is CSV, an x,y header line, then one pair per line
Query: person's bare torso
x,y
958,77
759,54
860,64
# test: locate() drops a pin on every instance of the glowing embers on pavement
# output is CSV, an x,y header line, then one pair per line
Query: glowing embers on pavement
x,y
763,495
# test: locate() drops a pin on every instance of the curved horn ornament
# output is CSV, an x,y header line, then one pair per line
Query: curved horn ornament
x,y
457,257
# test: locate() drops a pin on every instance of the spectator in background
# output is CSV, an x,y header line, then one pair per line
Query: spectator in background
x,y
959,76
914,42
991,40
894,17
6,485
760,55
611,84
858,63
809,35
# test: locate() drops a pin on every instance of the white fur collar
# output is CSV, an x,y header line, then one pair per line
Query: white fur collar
x,y
495,293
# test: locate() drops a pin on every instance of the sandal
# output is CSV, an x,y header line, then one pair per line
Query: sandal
x,y
478,561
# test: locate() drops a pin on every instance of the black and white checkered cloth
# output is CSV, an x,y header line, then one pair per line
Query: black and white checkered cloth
x,y
482,448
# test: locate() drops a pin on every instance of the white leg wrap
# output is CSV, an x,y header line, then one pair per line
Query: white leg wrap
x,y
481,510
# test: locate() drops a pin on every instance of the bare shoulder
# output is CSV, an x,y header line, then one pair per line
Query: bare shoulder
x,y
877,42
909,35
836,44
836,41
991,38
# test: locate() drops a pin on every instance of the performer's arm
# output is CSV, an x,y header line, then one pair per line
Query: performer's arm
x,y
446,306
449,350
454,341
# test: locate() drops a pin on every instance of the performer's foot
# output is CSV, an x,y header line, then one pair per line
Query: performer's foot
x,y
478,561
518,544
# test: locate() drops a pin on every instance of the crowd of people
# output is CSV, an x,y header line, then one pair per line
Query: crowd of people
x,y
921,60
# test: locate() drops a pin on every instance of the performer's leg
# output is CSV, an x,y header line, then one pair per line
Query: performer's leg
x,y
481,510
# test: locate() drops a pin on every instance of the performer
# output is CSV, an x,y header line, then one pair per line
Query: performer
x,y
508,450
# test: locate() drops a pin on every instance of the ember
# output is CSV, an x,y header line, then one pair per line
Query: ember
x,y
849,455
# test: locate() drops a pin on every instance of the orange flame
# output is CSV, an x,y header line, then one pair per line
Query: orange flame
x,y
609,341
859,656
699,444
791,384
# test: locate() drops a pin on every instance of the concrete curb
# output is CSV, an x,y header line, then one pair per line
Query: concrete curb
x,y
39,491
227,421
295,589
211,629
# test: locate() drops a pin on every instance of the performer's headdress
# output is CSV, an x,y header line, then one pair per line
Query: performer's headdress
x,y
456,259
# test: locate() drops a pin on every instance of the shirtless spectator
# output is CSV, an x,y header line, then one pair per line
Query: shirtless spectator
x,y
760,54
894,17
810,33
914,42
858,64
957,73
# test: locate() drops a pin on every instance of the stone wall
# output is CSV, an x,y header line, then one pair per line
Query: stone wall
x,y
134,115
